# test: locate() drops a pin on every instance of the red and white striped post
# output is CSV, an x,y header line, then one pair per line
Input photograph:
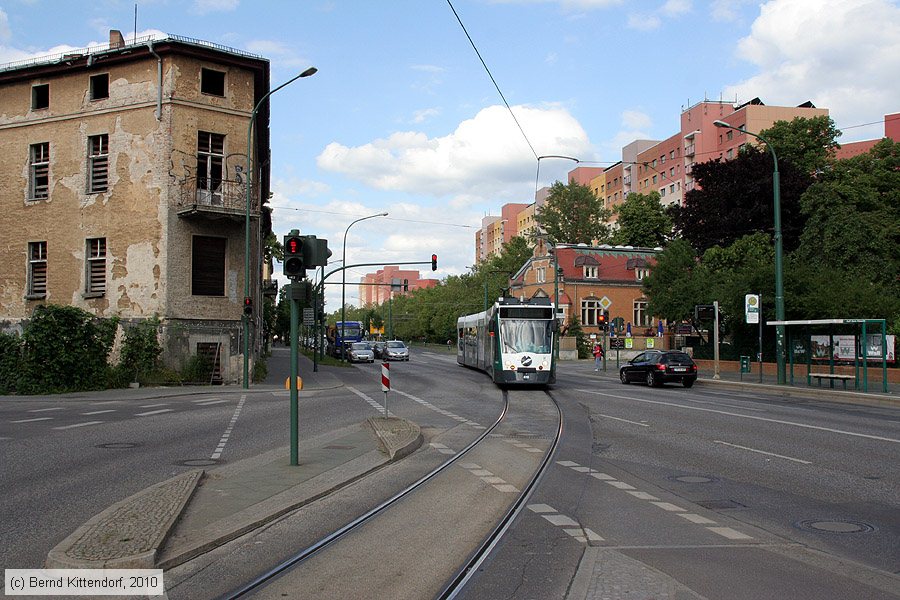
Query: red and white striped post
x,y
385,383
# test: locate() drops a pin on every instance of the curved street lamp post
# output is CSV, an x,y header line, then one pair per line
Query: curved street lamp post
x,y
779,277
344,281
246,319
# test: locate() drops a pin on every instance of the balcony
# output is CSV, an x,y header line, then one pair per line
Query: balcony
x,y
689,149
215,199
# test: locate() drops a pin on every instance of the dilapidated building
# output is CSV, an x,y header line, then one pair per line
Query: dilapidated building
x,y
124,190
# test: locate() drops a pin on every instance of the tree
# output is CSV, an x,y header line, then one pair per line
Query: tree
x,y
642,221
735,198
572,214
676,283
809,144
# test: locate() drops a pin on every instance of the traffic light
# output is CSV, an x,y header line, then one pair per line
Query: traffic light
x,y
434,262
601,320
406,285
294,266
248,305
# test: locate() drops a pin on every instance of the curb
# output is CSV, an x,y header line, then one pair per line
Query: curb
x,y
128,534
397,437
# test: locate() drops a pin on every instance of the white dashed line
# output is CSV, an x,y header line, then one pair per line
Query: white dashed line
x,y
570,526
643,496
805,462
561,520
700,520
730,533
211,402
37,410
224,439
155,405
33,420
79,425
624,420
668,506
620,484
154,412
99,412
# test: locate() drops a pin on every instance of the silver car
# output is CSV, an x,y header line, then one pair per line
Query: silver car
x,y
395,350
361,352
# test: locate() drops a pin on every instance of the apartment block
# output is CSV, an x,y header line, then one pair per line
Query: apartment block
x,y
389,282
125,190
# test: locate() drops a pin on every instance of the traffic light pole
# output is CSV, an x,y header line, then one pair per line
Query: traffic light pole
x,y
295,340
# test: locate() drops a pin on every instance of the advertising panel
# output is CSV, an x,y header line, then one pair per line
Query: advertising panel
x,y
843,347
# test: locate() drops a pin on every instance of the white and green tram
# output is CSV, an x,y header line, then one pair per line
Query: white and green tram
x,y
512,341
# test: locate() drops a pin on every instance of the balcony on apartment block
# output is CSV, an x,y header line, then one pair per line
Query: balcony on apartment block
x,y
210,198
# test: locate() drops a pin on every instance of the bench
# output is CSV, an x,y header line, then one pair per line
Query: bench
x,y
832,377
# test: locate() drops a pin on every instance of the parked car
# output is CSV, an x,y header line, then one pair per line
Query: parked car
x,y
656,367
361,352
395,350
378,348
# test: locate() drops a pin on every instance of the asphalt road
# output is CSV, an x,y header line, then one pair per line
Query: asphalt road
x,y
703,492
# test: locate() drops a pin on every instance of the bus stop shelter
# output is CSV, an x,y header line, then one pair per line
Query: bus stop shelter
x,y
835,343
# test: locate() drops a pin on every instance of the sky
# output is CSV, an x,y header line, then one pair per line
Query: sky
x,y
403,117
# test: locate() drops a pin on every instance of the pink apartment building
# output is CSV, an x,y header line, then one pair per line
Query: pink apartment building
x,y
378,287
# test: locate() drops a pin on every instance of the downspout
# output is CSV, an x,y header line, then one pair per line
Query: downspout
x,y
158,81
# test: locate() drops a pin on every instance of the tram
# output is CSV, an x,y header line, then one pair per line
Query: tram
x,y
513,341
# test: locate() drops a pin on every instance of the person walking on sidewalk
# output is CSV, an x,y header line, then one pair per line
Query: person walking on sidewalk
x,y
598,355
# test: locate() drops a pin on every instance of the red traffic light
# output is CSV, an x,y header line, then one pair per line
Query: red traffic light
x,y
294,245
248,305
434,262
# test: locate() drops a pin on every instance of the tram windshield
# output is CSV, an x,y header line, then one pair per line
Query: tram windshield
x,y
520,335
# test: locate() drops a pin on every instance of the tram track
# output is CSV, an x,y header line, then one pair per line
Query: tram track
x,y
529,423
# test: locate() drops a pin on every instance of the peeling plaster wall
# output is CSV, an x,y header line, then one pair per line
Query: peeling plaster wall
x,y
148,262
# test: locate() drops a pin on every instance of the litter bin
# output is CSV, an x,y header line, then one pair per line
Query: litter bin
x,y
745,365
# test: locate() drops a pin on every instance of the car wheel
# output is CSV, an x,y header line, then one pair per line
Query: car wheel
x,y
687,382
623,377
651,379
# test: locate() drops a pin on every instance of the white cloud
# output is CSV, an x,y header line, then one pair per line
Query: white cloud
x,y
420,116
726,10
843,55
644,22
485,158
673,8
636,119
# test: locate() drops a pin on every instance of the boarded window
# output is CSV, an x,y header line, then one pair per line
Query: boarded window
x,y
40,96
95,276
212,82
39,159
208,266
37,268
100,86
98,160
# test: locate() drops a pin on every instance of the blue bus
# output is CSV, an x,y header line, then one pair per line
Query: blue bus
x,y
343,334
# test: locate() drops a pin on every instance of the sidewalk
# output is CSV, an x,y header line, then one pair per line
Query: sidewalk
x,y
176,520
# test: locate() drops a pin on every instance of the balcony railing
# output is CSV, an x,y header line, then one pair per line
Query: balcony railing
x,y
689,149
213,198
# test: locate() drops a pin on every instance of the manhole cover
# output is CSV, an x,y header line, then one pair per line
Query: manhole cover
x,y
117,445
693,479
199,462
835,526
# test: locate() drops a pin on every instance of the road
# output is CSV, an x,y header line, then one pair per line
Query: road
x,y
704,492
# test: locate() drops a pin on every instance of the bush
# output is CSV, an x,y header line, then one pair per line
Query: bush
x,y
65,349
260,370
141,351
10,355
198,369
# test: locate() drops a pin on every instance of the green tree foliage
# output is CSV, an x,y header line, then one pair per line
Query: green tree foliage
x,y
64,349
141,350
582,341
642,221
809,144
572,214
676,283
10,355
735,198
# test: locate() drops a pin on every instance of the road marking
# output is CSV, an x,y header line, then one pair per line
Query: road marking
x,y
621,485
602,476
224,439
85,424
668,506
561,520
643,496
370,401
99,412
211,402
199,400
570,526
36,410
541,508
33,420
700,520
154,412
624,420
755,418
722,404
805,462
507,488
155,405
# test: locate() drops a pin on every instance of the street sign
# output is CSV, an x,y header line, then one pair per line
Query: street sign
x,y
617,343
751,308
309,316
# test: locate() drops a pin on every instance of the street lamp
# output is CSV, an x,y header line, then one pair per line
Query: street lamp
x,y
246,318
538,172
779,278
344,278
508,273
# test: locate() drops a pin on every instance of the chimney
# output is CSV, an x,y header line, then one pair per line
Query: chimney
x,y
115,39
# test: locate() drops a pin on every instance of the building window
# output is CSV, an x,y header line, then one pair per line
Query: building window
x,y
662,192
98,163
100,86
672,189
40,96
729,135
95,266
640,273
672,154
730,154
541,274
641,318
212,82
654,180
210,158
591,272
208,266
39,186
37,269
590,308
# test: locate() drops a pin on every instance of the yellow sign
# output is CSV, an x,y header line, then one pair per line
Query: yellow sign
x,y
629,343
650,342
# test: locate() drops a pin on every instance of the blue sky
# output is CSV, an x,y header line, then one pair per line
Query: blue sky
x,y
403,118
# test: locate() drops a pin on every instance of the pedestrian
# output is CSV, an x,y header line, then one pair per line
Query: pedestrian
x,y
598,355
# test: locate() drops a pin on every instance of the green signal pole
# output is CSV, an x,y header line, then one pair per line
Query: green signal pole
x,y
295,340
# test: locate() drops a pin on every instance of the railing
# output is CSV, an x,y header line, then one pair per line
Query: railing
x,y
215,198
689,150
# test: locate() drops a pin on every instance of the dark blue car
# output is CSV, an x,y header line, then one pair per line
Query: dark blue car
x,y
656,367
